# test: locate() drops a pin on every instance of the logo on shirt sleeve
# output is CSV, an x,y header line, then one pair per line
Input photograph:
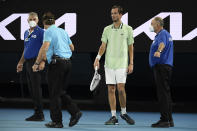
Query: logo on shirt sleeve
x,y
170,38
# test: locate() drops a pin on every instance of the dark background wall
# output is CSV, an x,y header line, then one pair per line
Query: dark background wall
x,y
92,17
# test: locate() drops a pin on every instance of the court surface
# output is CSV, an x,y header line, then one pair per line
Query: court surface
x,y
13,120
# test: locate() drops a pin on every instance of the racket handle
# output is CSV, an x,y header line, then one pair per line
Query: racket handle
x,y
96,68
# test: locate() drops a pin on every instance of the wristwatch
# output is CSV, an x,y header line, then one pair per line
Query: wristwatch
x,y
159,51
36,63
44,60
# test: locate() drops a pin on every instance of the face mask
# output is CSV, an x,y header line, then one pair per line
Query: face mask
x,y
32,23
151,28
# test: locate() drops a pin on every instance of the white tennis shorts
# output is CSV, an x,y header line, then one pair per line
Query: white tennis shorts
x,y
115,76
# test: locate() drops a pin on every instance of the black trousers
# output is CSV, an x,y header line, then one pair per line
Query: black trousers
x,y
162,76
34,85
58,78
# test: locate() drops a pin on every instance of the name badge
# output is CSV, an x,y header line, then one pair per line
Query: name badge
x,y
26,39
33,36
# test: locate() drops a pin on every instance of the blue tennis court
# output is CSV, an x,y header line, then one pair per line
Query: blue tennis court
x,y
13,120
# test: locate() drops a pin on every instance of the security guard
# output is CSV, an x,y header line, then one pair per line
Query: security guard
x,y
57,48
33,39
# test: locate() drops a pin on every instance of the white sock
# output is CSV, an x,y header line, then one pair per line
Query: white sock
x,y
113,113
123,111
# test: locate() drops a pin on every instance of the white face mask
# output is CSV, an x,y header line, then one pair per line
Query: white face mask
x,y
151,28
32,23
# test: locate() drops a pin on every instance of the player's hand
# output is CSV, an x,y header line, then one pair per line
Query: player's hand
x,y
157,54
41,66
130,69
19,67
96,63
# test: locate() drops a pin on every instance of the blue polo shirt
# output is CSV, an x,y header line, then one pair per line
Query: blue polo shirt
x,y
59,42
166,56
33,42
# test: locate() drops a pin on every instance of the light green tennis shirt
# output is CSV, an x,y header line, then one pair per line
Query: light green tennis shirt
x,y
117,40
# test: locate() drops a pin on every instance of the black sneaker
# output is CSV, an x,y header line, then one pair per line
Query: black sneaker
x,y
35,117
74,119
128,119
54,125
171,123
161,124
112,121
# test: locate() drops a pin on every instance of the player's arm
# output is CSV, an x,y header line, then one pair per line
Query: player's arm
x,y
131,55
100,53
131,50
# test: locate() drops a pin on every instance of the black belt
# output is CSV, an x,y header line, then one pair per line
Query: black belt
x,y
65,59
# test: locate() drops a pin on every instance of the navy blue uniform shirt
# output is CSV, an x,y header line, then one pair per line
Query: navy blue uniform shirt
x,y
166,56
33,42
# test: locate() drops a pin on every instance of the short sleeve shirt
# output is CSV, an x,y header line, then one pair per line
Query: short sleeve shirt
x,y
59,43
33,42
166,56
117,40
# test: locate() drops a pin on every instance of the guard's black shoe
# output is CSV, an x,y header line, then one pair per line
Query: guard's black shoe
x,y
128,119
112,121
54,125
171,123
36,117
161,124
74,119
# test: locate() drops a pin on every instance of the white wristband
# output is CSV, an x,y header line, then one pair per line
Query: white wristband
x,y
96,68
98,57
